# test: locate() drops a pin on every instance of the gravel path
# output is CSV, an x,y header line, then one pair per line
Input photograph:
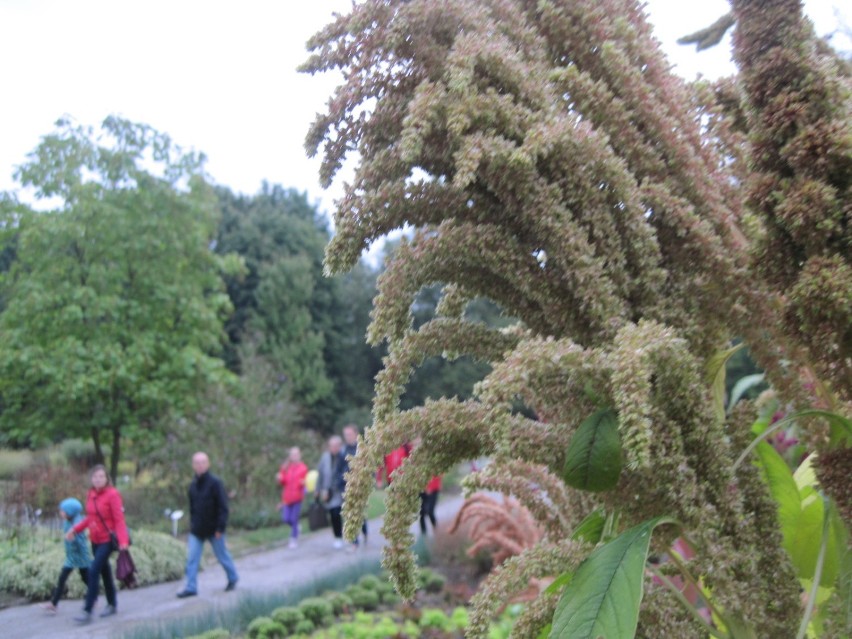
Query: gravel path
x,y
263,572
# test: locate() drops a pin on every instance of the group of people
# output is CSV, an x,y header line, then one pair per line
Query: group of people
x,y
330,485
103,517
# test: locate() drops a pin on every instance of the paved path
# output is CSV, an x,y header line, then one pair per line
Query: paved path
x,y
263,572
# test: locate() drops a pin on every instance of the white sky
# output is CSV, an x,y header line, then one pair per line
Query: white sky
x,y
217,76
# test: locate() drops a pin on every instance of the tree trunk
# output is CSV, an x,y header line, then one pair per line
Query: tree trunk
x,y
116,451
99,452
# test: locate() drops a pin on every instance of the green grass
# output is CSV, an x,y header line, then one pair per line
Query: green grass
x,y
250,606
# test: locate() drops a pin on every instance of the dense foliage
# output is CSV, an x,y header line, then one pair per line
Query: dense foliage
x,y
32,559
635,225
114,303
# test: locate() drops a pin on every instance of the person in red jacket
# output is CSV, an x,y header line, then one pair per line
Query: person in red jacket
x,y
392,462
104,519
292,479
428,501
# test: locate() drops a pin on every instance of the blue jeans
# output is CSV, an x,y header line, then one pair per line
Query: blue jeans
x,y
193,559
100,568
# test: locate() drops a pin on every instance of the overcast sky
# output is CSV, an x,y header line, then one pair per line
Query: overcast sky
x,y
219,77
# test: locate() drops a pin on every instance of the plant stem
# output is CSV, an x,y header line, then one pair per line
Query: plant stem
x,y
809,609
715,632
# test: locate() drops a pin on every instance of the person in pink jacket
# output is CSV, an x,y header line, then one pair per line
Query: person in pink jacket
x,y
292,479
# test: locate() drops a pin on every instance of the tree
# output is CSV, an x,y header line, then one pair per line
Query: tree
x,y
115,303
246,427
311,327
635,225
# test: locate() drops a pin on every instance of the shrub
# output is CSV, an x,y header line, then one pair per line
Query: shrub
x,y
382,589
266,628
340,602
435,583
460,617
31,562
363,599
252,513
430,581
304,627
318,610
437,619
288,616
391,598
42,485
369,582
216,633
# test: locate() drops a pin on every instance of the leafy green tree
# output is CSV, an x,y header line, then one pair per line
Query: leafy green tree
x,y
351,363
246,426
281,238
310,327
114,303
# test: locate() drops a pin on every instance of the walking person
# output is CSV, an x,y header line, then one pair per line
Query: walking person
x,y
292,479
107,532
77,555
208,513
428,501
329,487
350,448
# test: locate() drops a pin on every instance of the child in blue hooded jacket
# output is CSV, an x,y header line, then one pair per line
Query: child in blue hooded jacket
x,y
77,555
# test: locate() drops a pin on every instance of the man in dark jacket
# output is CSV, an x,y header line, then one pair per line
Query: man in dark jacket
x,y
208,516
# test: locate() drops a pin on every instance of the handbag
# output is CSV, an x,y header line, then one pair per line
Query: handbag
x,y
317,516
125,569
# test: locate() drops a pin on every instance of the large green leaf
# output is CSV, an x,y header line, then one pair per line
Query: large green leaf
x,y
594,457
783,488
801,514
603,598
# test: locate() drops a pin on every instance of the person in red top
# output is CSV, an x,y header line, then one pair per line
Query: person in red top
x,y
104,518
392,462
292,479
428,501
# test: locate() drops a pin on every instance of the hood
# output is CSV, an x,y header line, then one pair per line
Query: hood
x,y
71,507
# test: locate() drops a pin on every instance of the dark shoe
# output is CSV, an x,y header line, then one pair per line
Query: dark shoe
x,y
109,611
183,594
84,618
232,585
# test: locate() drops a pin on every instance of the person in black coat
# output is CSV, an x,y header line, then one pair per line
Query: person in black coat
x,y
208,518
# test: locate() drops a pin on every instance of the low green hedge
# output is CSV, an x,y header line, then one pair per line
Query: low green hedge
x,y
30,562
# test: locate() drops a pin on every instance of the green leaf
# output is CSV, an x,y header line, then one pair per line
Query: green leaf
x,y
603,598
716,378
594,457
801,515
782,486
591,528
